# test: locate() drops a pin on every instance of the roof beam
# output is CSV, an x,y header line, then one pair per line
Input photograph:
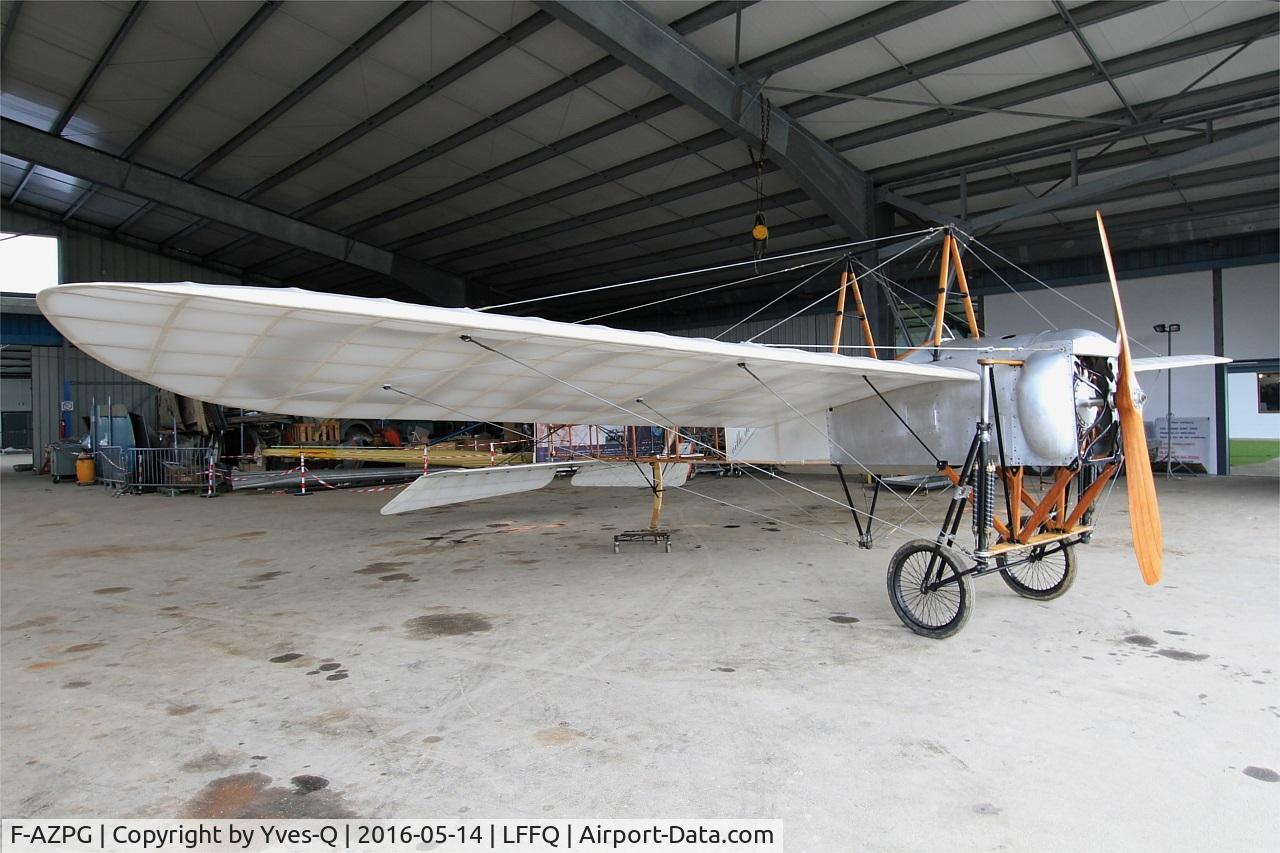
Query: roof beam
x,y
658,53
1164,167
27,143
1067,81
649,258
948,60
703,17
1059,172
1151,173
1055,239
908,205
1124,185
9,23
69,111
1093,57
349,54
1006,181
1194,107
256,20
1068,131
486,52
1156,219
1022,36
701,185
492,274
877,21
880,21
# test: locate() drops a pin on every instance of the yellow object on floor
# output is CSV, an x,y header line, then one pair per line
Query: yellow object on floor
x,y
86,473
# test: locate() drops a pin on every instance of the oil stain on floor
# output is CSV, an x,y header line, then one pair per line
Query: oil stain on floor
x,y
1179,654
1140,640
447,625
1262,774
249,796
381,567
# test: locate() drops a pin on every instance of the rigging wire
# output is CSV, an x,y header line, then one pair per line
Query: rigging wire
x,y
647,478
780,496
1011,288
834,248
827,296
779,297
721,286
1057,291
834,443
633,414
925,300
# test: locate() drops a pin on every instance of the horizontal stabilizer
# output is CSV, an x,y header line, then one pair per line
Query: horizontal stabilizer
x,y
632,475
1167,362
452,486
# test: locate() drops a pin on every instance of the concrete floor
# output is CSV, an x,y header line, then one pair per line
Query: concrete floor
x,y
183,657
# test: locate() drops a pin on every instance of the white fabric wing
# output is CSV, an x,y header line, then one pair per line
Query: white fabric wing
x,y
441,488
324,355
1167,362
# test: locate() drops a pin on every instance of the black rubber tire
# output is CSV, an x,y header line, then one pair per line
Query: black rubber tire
x,y
937,613
1047,577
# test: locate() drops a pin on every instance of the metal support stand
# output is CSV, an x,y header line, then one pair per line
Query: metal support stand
x,y
653,533
864,533
1167,329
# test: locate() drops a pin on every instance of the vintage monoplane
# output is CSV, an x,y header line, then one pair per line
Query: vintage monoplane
x,y
980,412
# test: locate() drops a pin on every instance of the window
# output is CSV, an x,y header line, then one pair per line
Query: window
x,y
1269,393
29,262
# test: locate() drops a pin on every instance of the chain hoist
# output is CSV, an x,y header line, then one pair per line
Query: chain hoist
x,y
759,228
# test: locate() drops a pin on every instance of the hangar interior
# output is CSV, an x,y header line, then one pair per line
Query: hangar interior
x,y
526,155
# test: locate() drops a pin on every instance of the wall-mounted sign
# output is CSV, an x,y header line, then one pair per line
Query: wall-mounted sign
x,y
1190,442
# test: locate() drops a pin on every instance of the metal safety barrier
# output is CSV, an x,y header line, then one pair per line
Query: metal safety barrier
x,y
170,469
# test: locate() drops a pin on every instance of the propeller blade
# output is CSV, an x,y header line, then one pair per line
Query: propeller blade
x,y
1144,512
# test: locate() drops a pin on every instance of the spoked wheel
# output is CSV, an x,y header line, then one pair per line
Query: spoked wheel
x,y
929,591
1047,573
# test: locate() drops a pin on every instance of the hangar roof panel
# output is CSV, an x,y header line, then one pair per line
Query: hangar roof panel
x,y
478,135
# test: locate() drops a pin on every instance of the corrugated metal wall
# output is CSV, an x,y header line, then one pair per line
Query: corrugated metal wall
x,y
90,381
87,257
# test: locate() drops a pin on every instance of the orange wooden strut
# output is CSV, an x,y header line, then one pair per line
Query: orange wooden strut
x,y
940,305
963,283
835,335
1047,504
867,337
1090,495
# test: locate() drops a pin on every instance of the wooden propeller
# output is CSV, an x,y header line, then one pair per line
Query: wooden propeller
x,y
1144,513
